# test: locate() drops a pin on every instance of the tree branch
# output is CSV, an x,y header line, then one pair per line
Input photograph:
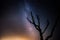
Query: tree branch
x,y
33,22
29,21
36,26
39,29
38,19
52,29
32,18
46,27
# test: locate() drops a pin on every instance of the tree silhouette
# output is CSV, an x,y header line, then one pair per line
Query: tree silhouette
x,y
37,26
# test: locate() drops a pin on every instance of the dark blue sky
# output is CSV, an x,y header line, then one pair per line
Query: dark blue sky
x,y
14,13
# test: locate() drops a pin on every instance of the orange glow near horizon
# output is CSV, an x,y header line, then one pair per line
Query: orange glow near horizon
x,y
15,38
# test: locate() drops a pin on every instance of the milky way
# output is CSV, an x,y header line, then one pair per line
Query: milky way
x,y
14,23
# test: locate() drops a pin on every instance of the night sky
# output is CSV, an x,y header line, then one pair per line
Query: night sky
x,y
14,23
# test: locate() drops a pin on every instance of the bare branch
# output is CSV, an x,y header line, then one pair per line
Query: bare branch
x,y
33,22
46,27
36,26
29,21
32,18
38,19
39,29
52,29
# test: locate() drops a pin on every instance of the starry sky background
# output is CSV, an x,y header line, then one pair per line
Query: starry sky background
x,y
14,13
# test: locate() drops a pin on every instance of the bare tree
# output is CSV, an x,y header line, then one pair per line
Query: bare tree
x,y
37,26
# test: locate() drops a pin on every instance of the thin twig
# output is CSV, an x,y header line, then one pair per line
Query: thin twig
x,y
29,21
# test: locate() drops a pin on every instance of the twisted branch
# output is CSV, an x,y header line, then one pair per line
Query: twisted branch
x,y
39,29
36,26
52,29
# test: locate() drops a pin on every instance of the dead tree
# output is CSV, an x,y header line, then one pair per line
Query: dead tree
x,y
37,26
